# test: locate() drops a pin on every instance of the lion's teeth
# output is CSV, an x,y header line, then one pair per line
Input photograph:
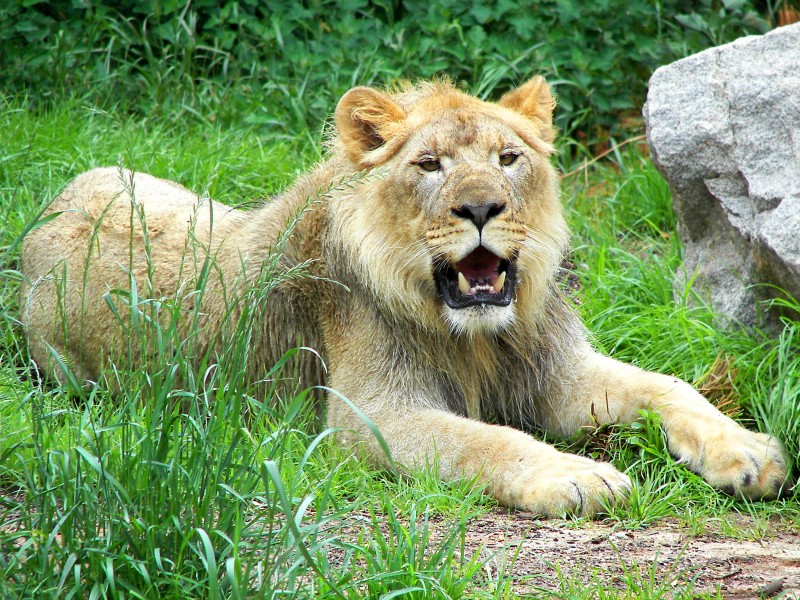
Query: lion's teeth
x,y
500,282
463,284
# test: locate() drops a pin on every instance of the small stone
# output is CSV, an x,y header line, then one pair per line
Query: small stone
x,y
770,589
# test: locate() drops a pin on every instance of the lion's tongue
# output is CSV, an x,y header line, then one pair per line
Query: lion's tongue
x,y
479,264
478,272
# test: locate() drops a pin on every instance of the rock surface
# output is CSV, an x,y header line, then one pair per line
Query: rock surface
x,y
724,129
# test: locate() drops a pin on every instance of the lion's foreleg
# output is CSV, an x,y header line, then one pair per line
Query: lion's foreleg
x,y
518,470
727,455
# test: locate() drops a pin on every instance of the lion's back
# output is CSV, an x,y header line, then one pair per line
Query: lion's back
x,y
108,227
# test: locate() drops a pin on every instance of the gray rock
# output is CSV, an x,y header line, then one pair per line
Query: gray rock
x,y
724,129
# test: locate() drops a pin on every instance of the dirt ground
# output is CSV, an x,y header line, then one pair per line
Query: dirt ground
x,y
599,554
542,556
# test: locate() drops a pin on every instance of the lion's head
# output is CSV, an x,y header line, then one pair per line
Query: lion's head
x,y
464,221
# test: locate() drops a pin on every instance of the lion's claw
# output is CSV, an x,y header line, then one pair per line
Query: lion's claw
x,y
574,485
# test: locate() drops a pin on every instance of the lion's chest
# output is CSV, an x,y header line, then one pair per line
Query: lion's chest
x,y
490,380
474,375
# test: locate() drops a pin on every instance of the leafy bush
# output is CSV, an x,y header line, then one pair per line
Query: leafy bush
x,y
239,55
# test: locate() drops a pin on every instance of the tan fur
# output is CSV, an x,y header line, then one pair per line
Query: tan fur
x,y
429,376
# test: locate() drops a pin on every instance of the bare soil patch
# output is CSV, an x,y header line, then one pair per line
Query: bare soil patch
x,y
664,553
543,557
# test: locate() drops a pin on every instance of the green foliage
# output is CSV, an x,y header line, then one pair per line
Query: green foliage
x,y
282,65
777,379
397,554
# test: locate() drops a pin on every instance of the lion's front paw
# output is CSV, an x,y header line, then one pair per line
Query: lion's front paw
x,y
572,484
735,460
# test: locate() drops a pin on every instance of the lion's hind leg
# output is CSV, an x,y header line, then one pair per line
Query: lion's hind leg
x,y
48,327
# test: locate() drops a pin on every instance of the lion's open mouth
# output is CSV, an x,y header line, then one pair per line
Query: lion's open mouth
x,y
481,277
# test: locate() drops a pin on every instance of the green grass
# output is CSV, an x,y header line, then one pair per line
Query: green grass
x,y
168,491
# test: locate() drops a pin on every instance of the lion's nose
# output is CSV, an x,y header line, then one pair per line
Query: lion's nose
x,y
479,213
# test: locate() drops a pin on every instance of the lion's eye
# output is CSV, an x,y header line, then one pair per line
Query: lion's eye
x,y
430,165
508,158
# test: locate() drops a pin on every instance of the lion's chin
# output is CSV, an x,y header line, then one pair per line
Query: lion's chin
x,y
479,319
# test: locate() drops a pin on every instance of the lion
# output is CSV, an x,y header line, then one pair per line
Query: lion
x,y
431,294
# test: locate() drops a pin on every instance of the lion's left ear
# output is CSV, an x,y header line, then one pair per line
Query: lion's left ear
x,y
534,101
367,120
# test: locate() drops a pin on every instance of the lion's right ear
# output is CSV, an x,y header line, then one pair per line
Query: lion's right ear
x,y
367,120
